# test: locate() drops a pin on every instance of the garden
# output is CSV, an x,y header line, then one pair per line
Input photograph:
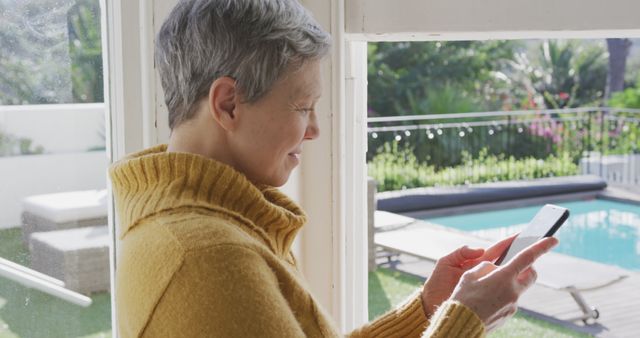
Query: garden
x,y
454,113
471,112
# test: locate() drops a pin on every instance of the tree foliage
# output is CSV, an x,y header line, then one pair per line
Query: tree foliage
x,y
561,74
412,78
629,98
86,51
404,76
51,52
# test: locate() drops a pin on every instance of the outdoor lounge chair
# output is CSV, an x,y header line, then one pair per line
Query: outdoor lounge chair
x,y
557,271
78,257
64,210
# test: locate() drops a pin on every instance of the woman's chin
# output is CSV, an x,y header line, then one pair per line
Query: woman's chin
x,y
277,180
282,180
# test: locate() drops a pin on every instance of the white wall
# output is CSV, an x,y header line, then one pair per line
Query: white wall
x,y
59,128
24,176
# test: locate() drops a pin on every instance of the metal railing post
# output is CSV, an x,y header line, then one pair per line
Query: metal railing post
x,y
509,148
602,145
590,113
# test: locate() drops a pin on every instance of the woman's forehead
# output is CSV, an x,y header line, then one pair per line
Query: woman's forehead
x,y
306,81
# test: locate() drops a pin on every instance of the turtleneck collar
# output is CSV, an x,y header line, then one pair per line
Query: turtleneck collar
x,y
154,180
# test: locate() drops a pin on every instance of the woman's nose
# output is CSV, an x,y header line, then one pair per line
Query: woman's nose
x,y
313,131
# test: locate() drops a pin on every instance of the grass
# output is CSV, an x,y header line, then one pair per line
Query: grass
x,y
387,288
29,313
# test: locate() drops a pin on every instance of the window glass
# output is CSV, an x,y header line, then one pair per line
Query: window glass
x,y
470,122
54,242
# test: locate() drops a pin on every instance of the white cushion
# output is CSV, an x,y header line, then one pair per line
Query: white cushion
x,y
75,239
68,206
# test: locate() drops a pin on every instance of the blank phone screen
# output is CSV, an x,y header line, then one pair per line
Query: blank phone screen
x,y
539,226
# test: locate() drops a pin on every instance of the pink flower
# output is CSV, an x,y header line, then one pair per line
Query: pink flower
x,y
563,96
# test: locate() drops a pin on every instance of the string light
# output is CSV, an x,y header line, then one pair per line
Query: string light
x,y
374,135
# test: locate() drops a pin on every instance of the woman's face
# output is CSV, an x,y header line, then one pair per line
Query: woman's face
x,y
268,141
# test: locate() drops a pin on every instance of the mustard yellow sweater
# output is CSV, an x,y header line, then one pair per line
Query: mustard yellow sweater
x,y
205,253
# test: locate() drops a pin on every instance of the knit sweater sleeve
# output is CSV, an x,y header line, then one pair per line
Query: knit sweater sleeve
x,y
224,291
452,319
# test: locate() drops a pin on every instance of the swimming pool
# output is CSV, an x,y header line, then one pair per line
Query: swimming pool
x,y
598,230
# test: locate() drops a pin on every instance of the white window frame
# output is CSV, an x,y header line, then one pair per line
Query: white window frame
x,y
333,247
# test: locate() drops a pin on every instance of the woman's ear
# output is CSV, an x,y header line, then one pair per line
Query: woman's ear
x,y
222,102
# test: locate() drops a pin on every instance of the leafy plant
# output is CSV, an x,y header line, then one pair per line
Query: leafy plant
x,y
397,70
51,52
11,145
560,74
397,168
629,98
85,50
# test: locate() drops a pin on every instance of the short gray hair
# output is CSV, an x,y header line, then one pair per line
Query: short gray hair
x,y
252,41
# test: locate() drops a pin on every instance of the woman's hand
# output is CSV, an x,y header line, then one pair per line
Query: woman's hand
x,y
450,268
492,292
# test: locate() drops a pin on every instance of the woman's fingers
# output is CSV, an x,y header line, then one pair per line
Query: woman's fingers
x,y
526,279
492,253
492,291
461,255
497,249
523,260
482,270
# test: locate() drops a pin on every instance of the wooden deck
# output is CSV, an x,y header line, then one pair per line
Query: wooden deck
x,y
618,304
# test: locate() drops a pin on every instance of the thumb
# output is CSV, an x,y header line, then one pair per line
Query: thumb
x,y
462,255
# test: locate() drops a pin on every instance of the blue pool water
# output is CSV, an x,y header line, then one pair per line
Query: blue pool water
x,y
598,230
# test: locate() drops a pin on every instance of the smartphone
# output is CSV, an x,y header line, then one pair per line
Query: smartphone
x,y
544,224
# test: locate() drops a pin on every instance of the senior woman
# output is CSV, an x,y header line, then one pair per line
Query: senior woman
x,y
206,236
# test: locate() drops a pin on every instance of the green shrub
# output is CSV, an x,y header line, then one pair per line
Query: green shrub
x,y
11,145
629,98
396,168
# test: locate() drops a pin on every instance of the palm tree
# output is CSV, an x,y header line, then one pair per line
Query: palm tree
x,y
562,73
618,52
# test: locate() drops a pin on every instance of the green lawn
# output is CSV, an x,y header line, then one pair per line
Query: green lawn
x,y
387,288
30,313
